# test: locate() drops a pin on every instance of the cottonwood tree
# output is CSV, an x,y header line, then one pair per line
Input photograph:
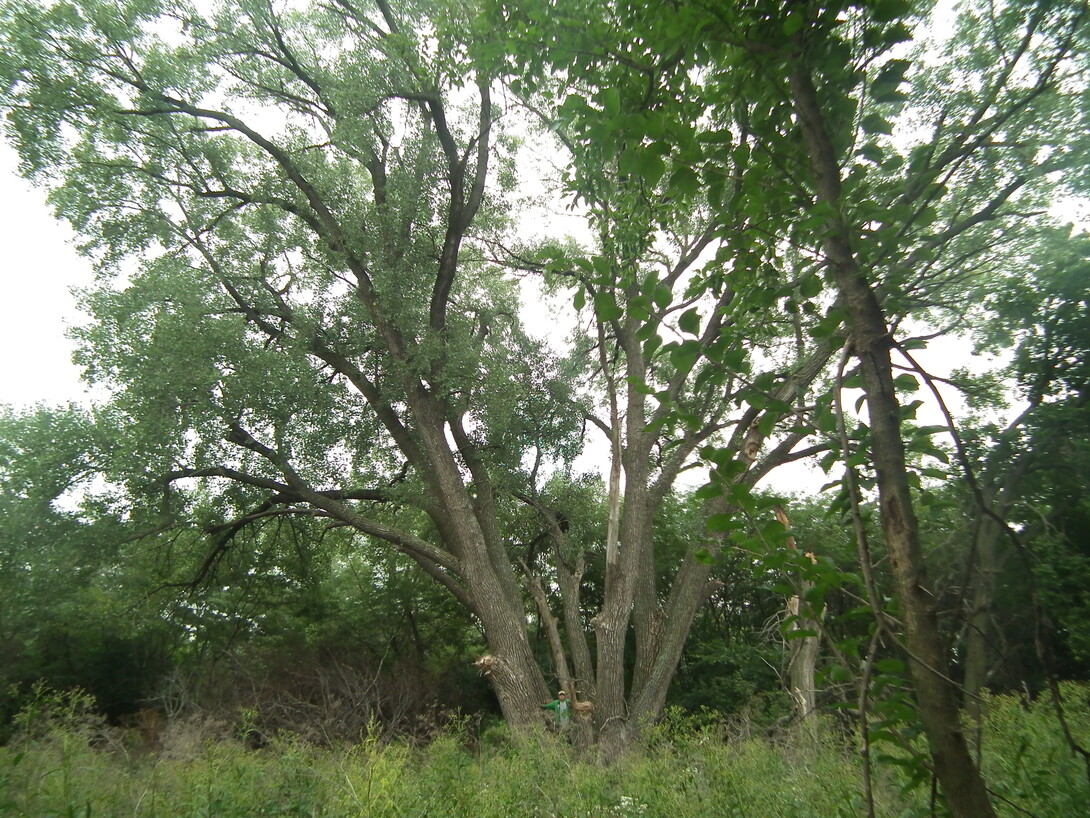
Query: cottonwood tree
x,y
297,216
309,329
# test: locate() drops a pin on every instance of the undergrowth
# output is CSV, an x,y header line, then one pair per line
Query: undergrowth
x,y
65,761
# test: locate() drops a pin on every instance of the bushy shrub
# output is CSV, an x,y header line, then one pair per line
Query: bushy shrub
x,y
1027,760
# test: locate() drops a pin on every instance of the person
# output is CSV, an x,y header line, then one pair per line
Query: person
x,y
561,708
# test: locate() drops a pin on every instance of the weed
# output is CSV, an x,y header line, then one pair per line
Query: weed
x,y
686,767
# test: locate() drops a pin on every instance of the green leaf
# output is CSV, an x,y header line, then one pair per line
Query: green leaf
x,y
690,321
720,523
663,296
685,355
898,33
605,307
651,345
815,595
810,286
708,491
875,123
767,423
794,23
611,101
893,666
886,11
927,431
871,152
651,168
685,181
839,673
655,124
734,359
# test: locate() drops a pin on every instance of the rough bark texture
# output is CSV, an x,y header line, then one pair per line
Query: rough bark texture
x,y
936,695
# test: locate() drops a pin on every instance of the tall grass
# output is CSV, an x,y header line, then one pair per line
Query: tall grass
x,y
66,762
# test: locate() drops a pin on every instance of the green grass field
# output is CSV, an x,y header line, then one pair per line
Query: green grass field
x,y
65,762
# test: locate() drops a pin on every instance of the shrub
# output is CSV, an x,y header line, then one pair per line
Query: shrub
x,y
1026,759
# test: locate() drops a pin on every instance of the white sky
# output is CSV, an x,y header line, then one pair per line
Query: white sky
x,y
38,267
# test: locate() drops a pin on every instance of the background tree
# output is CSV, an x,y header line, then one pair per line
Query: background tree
x,y
66,617
1029,481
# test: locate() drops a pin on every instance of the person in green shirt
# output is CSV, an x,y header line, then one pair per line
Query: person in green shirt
x,y
561,708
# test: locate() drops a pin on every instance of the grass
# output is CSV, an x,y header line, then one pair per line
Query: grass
x,y
67,763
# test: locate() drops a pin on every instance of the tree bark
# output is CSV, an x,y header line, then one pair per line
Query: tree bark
x,y
490,582
802,650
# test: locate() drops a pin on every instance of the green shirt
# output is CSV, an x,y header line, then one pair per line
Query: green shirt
x,y
562,710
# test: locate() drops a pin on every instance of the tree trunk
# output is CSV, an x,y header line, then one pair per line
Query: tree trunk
x,y
490,581
958,776
571,598
688,593
980,633
803,650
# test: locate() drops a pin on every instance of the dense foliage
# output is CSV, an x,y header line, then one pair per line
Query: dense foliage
x,y
335,481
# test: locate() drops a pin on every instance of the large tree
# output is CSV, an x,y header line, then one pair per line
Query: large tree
x,y
309,328
300,219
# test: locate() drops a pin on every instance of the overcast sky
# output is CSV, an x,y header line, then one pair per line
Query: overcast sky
x,y
39,267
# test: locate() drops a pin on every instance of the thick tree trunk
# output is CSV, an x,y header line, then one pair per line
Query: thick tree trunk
x,y
936,695
490,581
687,594
623,566
513,669
636,535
